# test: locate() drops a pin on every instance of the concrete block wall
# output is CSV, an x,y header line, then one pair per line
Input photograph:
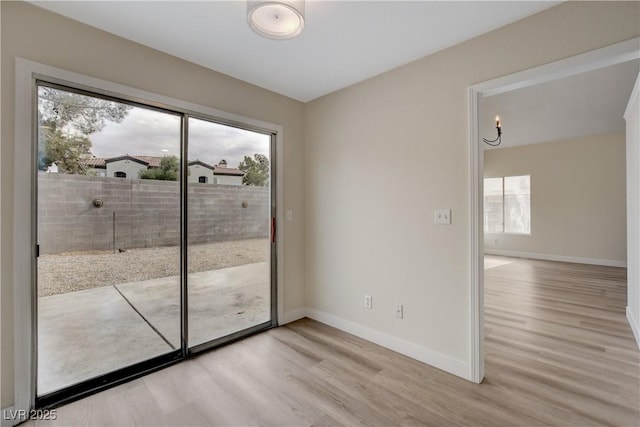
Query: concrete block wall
x,y
147,213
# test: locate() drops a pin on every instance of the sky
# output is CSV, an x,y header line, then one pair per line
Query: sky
x,y
152,133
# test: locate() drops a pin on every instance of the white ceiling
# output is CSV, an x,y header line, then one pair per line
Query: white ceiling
x,y
343,42
591,103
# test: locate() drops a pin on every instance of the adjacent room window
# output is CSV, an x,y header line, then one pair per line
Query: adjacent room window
x,y
507,204
120,175
202,180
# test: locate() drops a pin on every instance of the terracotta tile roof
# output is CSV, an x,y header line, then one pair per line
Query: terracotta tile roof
x,y
218,170
154,162
95,162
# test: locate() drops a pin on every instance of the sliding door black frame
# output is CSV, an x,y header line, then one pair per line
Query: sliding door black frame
x,y
131,372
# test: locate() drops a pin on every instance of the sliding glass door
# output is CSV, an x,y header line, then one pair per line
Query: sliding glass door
x,y
229,211
108,236
154,237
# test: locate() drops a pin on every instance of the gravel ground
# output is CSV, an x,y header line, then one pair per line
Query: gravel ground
x,y
75,271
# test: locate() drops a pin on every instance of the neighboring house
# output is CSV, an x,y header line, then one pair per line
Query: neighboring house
x,y
95,166
126,166
201,172
361,226
129,166
119,167
204,173
227,176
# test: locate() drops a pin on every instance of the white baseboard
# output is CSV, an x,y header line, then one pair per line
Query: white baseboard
x,y
635,326
561,258
423,354
292,315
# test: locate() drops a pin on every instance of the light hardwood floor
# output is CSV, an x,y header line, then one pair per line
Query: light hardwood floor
x,y
558,351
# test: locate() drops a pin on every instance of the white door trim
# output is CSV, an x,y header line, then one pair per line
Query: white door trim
x,y
23,242
593,60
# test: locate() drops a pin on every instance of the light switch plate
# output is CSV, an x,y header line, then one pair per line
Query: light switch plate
x,y
442,216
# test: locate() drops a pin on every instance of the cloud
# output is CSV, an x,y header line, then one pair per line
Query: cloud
x,y
153,133
212,142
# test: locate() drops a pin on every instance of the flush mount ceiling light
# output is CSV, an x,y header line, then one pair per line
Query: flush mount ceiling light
x,y
278,20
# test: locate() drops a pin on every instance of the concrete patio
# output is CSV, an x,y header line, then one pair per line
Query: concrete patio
x,y
88,333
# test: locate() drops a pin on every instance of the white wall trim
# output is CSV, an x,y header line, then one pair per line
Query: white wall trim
x,y
634,94
1,198
561,258
589,61
422,354
24,320
632,217
615,54
635,326
476,265
293,315
24,312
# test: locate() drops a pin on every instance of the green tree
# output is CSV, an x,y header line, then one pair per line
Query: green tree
x,y
168,170
256,170
66,152
66,121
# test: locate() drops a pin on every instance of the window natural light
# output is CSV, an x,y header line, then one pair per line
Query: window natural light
x,y
507,204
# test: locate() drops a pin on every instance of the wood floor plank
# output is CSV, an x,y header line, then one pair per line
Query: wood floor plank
x,y
558,350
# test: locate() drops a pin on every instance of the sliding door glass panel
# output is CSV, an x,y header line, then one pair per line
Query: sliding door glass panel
x,y
108,225
228,211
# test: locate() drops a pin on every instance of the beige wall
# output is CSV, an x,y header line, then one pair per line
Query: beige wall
x,y
397,148
131,168
396,145
35,34
196,171
229,180
2,386
632,116
578,199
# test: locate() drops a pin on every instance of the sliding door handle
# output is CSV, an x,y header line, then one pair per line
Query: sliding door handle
x,y
273,229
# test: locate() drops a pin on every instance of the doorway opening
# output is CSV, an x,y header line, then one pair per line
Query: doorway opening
x,y
616,54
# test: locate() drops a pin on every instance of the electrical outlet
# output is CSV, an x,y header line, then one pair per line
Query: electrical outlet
x,y
399,311
367,301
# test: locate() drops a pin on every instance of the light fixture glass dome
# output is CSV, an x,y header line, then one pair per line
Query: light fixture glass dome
x,y
279,20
